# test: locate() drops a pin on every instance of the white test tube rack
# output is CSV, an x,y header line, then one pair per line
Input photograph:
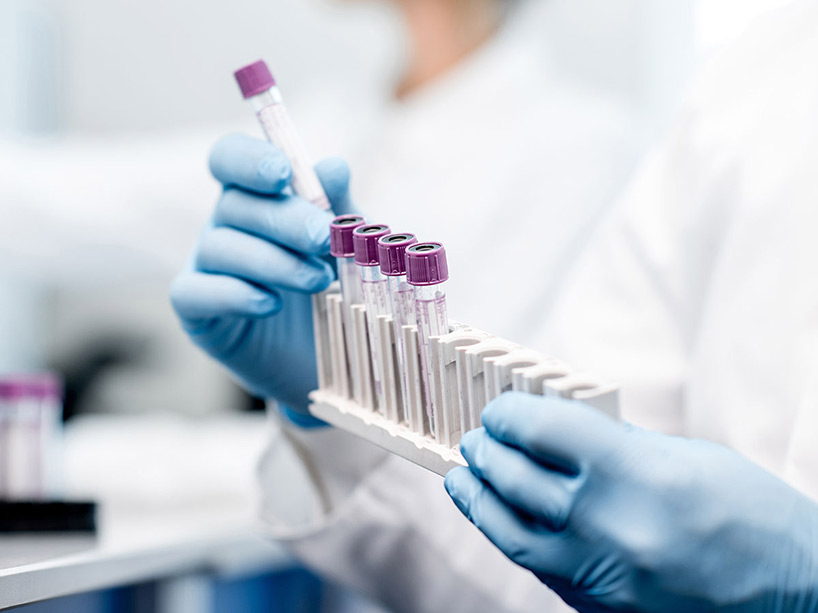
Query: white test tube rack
x,y
468,369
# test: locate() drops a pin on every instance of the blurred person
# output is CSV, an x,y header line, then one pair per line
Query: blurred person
x,y
700,296
479,75
481,142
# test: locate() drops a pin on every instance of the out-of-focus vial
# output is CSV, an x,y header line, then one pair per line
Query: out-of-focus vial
x,y
30,437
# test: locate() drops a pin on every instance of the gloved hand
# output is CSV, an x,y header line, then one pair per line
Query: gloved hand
x,y
245,298
614,518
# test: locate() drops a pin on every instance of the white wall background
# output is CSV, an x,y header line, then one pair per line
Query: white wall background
x,y
107,66
166,64
720,21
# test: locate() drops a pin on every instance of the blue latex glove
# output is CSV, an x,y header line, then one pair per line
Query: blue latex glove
x,y
614,518
245,298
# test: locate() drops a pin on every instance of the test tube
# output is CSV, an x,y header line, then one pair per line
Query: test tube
x,y
21,443
258,86
342,248
30,423
428,271
8,395
392,256
375,293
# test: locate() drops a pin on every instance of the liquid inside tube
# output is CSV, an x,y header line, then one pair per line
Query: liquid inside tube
x,y
258,86
432,320
281,131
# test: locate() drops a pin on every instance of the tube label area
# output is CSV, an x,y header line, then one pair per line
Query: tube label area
x,y
280,130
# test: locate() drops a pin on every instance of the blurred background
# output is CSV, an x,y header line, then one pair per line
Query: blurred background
x,y
107,113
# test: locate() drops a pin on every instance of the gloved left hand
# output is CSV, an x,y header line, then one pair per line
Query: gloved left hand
x,y
245,298
615,518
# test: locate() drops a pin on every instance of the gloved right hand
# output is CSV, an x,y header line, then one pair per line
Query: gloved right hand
x,y
616,518
245,296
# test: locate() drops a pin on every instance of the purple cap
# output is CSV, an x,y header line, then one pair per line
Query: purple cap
x,y
254,79
41,386
365,239
392,253
340,235
11,389
426,264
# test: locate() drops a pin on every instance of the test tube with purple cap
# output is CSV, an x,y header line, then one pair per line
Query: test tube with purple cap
x,y
30,424
392,256
341,246
258,86
375,293
427,271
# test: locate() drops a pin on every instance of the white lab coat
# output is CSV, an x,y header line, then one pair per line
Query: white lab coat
x,y
510,164
701,294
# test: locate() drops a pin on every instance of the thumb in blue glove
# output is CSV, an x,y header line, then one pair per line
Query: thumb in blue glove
x,y
614,518
245,297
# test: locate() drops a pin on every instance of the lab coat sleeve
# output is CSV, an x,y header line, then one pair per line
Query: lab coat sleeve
x,y
96,210
630,306
377,523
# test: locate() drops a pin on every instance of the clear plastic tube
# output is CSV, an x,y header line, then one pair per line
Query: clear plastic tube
x,y
432,320
258,86
280,130
375,293
350,277
392,260
402,304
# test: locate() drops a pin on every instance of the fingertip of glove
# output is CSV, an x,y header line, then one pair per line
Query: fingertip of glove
x,y
274,169
457,484
496,411
177,292
324,277
265,305
318,231
335,176
469,440
450,481
313,282
333,168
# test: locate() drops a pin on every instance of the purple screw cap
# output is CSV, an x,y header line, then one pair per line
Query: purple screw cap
x,y
340,235
392,253
11,389
41,386
254,79
365,239
426,264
